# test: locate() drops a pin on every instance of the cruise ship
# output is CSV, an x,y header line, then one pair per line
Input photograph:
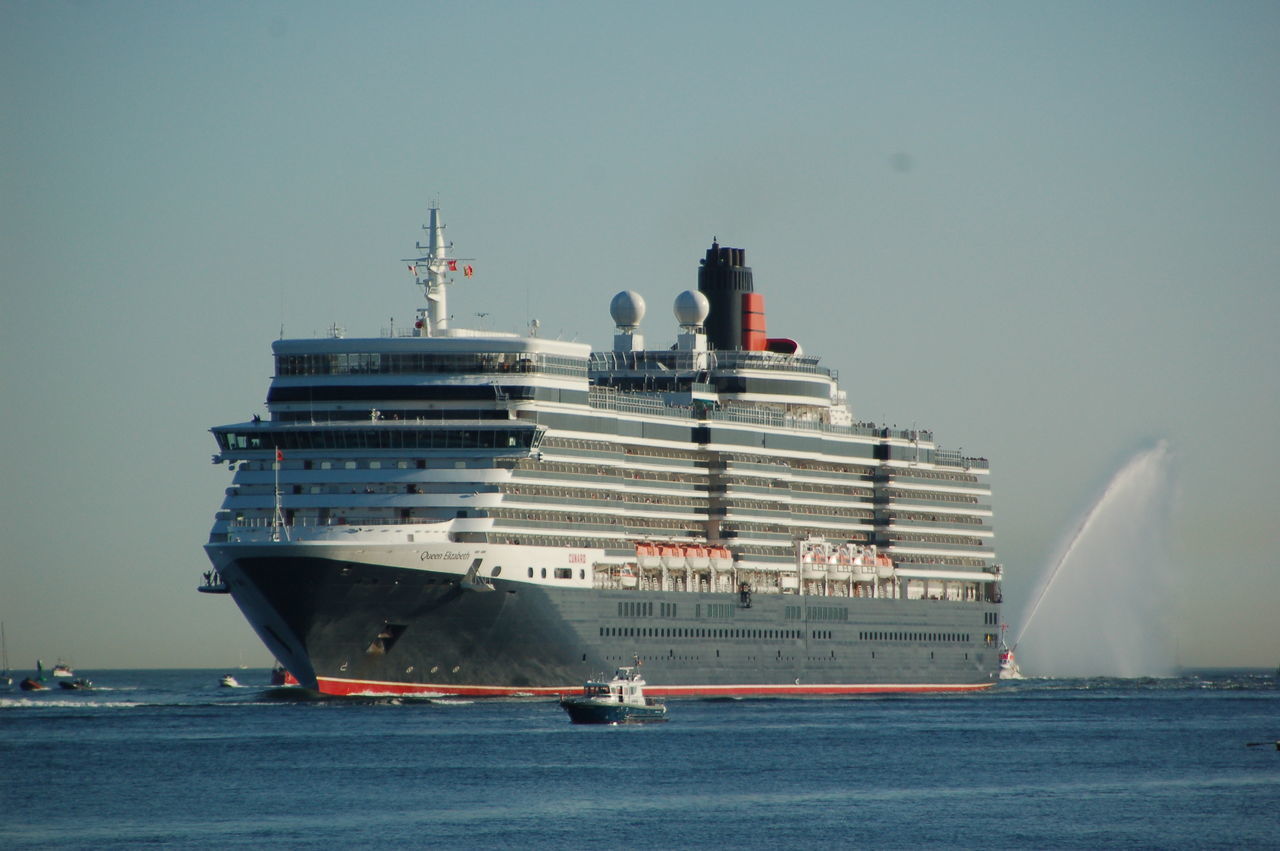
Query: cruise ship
x,y
443,511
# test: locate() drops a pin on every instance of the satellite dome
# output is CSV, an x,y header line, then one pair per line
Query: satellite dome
x,y
691,308
627,309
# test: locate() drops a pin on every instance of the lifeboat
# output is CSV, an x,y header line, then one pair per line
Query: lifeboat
x,y
814,570
672,557
884,567
721,558
841,572
699,557
627,577
647,555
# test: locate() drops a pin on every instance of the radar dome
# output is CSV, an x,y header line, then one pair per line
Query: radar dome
x,y
691,308
627,309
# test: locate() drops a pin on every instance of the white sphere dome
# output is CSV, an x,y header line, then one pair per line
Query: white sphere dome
x,y
627,309
691,308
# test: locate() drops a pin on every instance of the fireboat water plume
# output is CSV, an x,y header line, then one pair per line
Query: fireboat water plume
x,y
1105,606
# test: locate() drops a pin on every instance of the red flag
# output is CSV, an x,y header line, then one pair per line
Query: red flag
x,y
279,454
453,265
468,271
413,269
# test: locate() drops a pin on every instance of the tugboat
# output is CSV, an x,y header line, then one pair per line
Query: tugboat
x,y
620,700
1009,669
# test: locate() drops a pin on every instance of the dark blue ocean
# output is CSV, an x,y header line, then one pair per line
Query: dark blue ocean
x,y
168,758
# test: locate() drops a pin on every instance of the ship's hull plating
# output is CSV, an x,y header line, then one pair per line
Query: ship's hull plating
x,y
343,626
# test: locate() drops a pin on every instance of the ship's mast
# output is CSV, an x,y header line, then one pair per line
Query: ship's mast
x,y
277,519
431,273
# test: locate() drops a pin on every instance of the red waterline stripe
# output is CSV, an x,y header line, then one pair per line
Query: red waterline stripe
x,y
346,687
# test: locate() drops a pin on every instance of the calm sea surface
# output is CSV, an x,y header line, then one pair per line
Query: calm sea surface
x,y
170,758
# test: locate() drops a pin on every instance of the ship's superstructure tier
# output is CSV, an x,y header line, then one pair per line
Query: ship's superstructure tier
x,y
507,440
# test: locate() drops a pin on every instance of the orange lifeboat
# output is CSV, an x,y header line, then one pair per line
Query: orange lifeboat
x,y
647,555
699,557
672,556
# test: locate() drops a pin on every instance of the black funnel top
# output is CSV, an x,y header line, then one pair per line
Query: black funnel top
x,y
723,277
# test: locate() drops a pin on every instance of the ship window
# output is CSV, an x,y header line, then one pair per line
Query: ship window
x,y
582,573
544,573
564,573
496,571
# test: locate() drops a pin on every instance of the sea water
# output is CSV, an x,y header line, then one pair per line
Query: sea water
x,y
168,758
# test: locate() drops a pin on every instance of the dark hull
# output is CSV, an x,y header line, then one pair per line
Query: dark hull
x,y
346,627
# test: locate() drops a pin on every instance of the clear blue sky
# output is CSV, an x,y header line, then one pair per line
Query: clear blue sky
x,y
1048,232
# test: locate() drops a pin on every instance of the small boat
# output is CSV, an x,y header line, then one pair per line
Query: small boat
x,y
281,677
35,683
228,681
62,669
78,684
1009,669
620,700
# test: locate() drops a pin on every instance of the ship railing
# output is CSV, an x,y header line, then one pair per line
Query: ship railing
x,y
953,458
335,520
609,399
686,361
777,419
